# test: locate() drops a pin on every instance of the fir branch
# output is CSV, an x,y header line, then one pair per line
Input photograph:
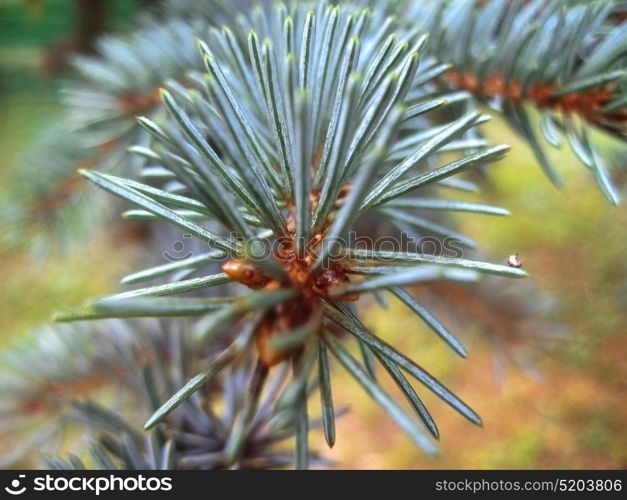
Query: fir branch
x,y
234,155
563,59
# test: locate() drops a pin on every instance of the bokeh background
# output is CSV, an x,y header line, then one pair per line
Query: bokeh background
x,y
547,369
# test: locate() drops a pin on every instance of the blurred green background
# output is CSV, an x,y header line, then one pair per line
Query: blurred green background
x,y
549,380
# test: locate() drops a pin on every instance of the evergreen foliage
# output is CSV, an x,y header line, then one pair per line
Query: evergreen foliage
x,y
277,136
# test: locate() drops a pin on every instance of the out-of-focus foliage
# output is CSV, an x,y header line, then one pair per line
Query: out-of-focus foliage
x,y
564,60
37,23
